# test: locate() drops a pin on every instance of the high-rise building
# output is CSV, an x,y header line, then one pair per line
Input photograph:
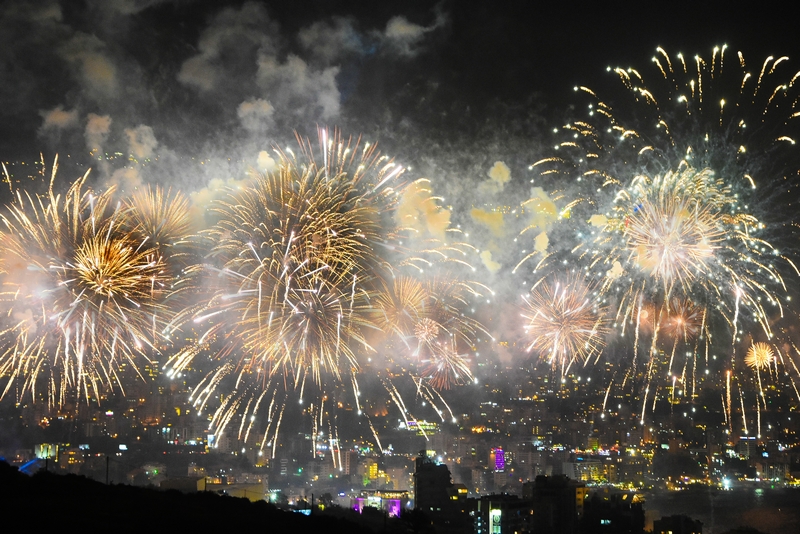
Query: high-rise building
x,y
350,462
497,460
557,503
746,447
432,485
437,496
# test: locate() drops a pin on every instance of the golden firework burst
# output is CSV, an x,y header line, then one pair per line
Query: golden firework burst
x,y
759,356
82,295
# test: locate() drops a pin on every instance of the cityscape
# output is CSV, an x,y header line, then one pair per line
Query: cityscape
x,y
415,270
494,453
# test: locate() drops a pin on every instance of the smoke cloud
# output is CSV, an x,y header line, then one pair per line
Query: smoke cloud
x,y
97,129
59,119
491,265
499,176
96,72
493,220
418,210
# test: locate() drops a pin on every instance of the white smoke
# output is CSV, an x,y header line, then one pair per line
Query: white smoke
x,y
328,41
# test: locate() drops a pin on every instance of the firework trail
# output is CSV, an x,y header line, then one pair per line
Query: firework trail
x,y
665,206
83,296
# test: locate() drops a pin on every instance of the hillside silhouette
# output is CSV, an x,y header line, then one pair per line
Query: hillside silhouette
x,y
49,500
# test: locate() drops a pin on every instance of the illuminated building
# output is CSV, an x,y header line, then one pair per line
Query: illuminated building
x,y
746,447
72,458
46,450
391,502
497,460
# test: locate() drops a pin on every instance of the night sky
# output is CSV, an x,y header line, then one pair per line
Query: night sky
x,y
226,79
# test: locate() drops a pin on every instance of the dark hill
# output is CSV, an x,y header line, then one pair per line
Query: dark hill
x,y
79,504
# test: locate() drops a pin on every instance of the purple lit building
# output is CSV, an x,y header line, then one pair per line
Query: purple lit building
x,y
391,502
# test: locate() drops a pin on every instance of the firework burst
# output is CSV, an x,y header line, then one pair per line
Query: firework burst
x,y
565,321
446,369
400,305
759,356
429,320
159,216
90,300
682,227
666,208
296,263
683,322
426,330
445,334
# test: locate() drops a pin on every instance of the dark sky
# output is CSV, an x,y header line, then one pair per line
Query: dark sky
x,y
183,68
